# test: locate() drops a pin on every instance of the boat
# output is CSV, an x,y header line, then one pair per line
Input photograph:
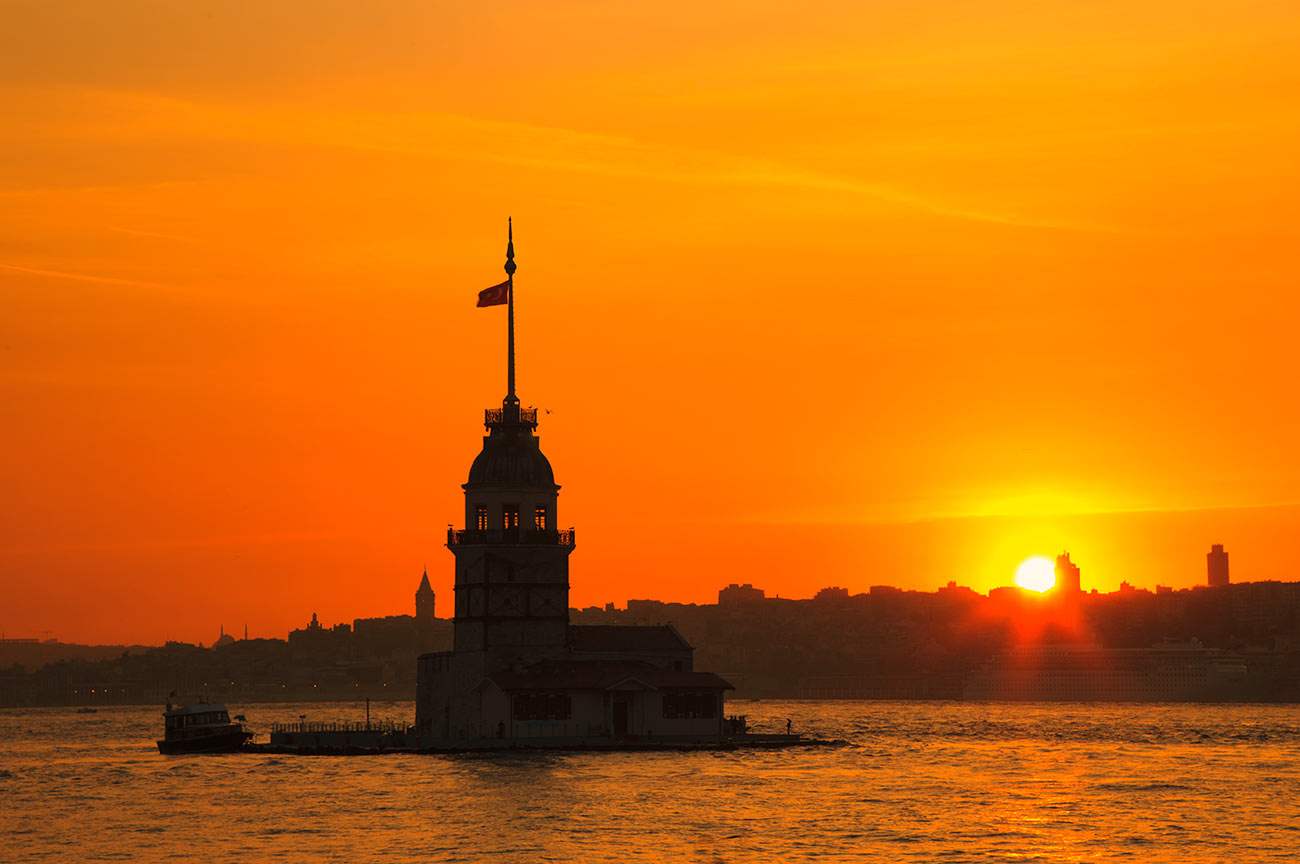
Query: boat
x,y
202,728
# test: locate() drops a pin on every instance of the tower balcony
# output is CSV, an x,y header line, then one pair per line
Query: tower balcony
x,y
510,537
510,415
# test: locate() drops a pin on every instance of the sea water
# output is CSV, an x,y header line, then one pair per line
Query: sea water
x,y
912,781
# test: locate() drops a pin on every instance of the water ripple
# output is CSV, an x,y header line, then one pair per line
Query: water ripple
x,y
911,782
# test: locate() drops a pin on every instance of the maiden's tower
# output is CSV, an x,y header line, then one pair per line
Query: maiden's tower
x,y
519,671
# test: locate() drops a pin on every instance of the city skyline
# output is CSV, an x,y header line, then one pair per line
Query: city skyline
x,y
796,307
1217,575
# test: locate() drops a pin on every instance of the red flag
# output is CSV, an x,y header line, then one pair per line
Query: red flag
x,y
496,295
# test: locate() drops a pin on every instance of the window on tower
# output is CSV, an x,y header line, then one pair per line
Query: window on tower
x,y
480,517
511,515
539,518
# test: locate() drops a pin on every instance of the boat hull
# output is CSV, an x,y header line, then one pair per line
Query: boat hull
x,y
226,741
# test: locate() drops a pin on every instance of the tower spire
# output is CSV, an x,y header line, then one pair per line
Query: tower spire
x,y
511,400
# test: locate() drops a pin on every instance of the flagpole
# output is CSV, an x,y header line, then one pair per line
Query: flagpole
x,y
510,313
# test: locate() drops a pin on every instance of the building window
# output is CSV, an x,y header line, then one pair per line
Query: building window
x,y
539,518
542,706
690,705
511,516
480,517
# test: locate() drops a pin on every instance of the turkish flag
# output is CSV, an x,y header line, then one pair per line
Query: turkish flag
x,y
496,295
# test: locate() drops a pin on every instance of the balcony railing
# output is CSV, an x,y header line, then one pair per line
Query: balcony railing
x,y
510,536
492,416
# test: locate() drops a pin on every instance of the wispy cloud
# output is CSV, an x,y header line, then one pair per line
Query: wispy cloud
x,y
81,277
203,241
127,116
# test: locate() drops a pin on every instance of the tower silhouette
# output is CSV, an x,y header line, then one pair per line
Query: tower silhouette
x,y
424,599
518,669
512,565
1067,575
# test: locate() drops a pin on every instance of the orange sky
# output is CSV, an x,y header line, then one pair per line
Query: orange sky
x,y
817,293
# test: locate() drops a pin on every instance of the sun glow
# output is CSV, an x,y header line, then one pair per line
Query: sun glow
x,y
1036,574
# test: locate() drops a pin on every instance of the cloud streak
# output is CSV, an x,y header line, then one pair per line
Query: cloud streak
x,y
128,116
81,277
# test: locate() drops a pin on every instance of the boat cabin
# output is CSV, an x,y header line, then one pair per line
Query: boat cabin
x,y
203,714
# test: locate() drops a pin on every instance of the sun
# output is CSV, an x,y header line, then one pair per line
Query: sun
x,y
1036,574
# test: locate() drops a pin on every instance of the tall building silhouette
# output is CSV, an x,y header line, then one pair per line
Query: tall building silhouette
x,y
518,669
1067,574
1216,563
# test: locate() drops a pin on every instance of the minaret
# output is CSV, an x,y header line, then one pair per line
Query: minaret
x,y
512,564
424,598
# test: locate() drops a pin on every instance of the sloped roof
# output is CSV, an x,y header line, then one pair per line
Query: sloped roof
x,y
603,675
606,638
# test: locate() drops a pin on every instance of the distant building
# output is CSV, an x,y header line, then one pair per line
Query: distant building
x,y
1216,562
739,595
953,589
1067,574
424,598
316,640
832,594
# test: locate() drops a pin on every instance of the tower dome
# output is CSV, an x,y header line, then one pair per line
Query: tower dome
x,y
511,455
